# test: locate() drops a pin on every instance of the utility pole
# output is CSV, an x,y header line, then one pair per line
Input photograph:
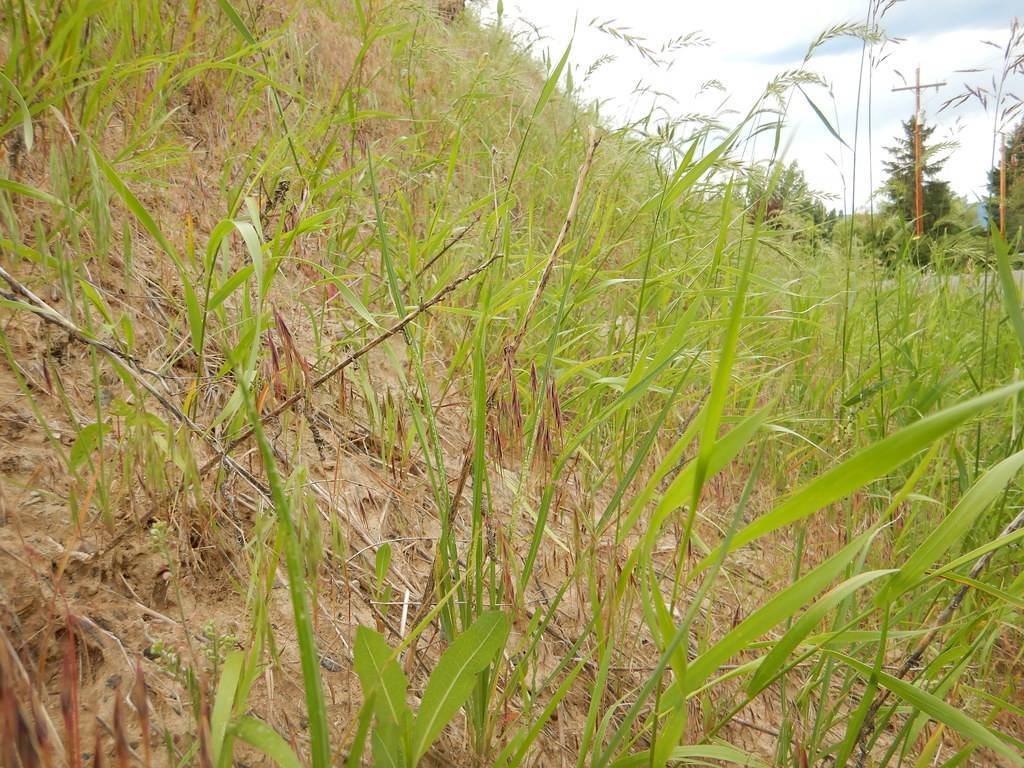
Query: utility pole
x,y
918,175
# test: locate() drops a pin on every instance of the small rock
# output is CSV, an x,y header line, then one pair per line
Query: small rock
x,y
329,663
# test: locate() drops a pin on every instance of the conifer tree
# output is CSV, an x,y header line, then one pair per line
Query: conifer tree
x,y
900,188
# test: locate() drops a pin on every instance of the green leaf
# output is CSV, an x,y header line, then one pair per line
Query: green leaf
x,y
223,703
355,752
1015,600
94,297
868,465
670,733
381,563
195,317
236,21
824,120
515,751
387,746
813,616
26,116
316,710
229,286
452,680
687,175
353,301
138,210
380,674
86,442
785,604
1010,296
937,709
27,191
979,552
680,491
551,82
954,527
259,735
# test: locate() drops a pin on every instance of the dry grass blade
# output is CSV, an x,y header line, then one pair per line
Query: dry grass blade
x,y
140,700
30,733
69,697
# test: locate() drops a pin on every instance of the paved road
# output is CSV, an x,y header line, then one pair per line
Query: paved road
x,y
968,279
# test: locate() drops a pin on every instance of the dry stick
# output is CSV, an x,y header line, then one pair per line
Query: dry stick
x,y
222,455
137,372
447,247
10,663
43,310
868,728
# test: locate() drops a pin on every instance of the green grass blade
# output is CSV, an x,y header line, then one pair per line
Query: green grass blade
x,y
868,465
380,675
236,21
26,116
774,611
937,708
316,709
355,752
223,703
954,527
27,191
260,736
810,619
138,210
1011,299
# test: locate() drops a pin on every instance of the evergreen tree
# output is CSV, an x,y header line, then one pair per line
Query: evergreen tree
x,y
1013,152
792,203
900,188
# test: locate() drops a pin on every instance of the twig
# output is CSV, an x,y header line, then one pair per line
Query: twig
x,y
446,248
44,310
222,455
138,373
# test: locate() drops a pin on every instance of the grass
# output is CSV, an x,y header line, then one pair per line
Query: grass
x,y
564,453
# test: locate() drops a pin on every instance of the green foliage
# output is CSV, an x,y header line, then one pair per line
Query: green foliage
x,y
694,455
400,737
1012,154
791,203
900,185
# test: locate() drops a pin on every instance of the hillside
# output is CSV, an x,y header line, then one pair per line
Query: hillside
x,y
366,399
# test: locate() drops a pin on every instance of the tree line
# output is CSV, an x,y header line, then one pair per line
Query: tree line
x,y
953,228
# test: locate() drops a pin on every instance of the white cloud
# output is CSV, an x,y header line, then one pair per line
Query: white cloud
x,y
752,41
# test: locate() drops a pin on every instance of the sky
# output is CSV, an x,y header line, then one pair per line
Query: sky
x,y
749,42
